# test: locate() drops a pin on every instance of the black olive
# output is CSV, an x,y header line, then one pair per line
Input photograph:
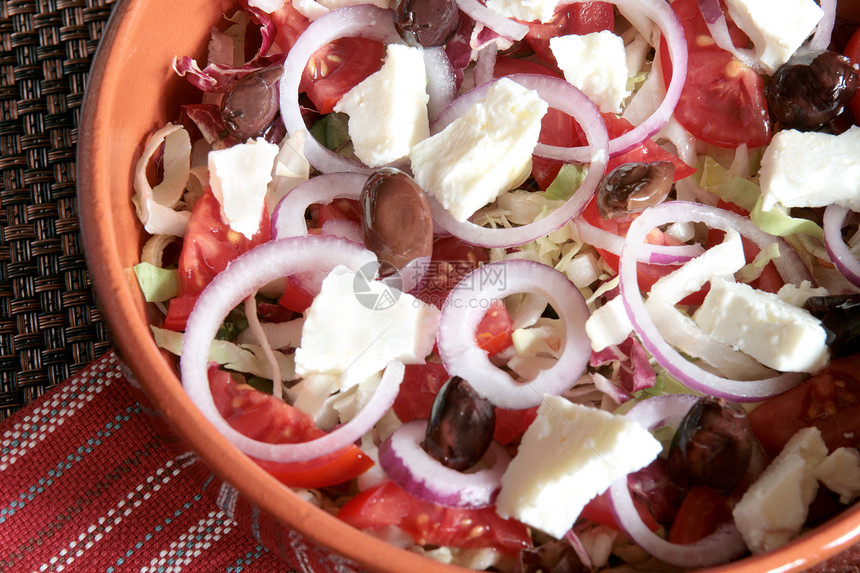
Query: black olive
x,y
251,103
840,317
426,23
811,89
633,187
397,223
461,425
712,446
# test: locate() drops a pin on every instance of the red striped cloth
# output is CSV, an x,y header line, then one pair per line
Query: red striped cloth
x,y
87,483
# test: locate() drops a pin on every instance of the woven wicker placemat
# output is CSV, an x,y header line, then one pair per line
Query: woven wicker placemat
x,y
50,326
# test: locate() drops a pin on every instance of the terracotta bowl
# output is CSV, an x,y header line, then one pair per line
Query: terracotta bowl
x,y
132,91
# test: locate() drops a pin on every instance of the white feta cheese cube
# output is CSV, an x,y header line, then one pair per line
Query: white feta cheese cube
x,y
388,110
774,332
840,473
568,455
811,169
354,327
525,10
774,508
239,177
777,28
482,153
595,63
608,325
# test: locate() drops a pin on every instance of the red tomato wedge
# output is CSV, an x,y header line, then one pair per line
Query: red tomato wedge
x,y
703,510
265,418
432,524
209,244
421,383
723,101
830,401
333,70
495,329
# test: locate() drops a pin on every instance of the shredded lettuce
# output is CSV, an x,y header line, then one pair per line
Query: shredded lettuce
x,y
157,284
247,358
777,221
567,181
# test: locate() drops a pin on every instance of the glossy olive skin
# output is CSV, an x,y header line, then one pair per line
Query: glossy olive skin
x,y
712,446
811,89
840,317
251,104
633,187
461,425
397,223
427,23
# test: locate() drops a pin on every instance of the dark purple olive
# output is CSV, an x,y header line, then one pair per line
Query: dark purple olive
x,y
633,187
712,446
397,223
840,317
811,89
251,103
426,23
461,425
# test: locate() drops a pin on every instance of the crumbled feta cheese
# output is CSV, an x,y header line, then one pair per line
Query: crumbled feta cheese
x,y
595,63
482,153
388,110
355,327
774,332
840,473
774,508
239,177
798,295
568,455
608,325
525,10
811,169
777,28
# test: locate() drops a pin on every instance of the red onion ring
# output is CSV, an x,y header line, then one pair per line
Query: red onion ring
x,y
417,472
365,21
243,276
500,24
288,217
788,264
840,254
715,18
653,254
468,302
721,546
661,13
560,95
821,39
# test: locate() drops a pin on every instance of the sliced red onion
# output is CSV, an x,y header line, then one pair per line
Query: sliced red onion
x,y
468,302
821,39
560,95
417,472
441,82
840,254
653,254
365,21
491,19
485,64
721,546
788,264
243,276
288,217
715,18
667,22
579,549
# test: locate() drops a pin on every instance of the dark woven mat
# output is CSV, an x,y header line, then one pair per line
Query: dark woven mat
x,y
50,326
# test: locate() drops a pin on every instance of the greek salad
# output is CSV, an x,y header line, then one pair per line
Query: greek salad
x,y
524,285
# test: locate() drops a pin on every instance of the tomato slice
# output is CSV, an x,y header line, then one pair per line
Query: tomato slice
x,y
209,244
830,401
495,329
703,510
599,511
334,69
432,524
723,101
265,418
512,424
421,383
852,50
579,18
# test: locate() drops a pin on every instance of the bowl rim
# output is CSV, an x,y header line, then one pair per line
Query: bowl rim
x,y
163,387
